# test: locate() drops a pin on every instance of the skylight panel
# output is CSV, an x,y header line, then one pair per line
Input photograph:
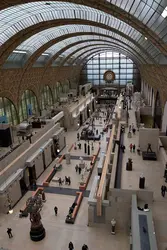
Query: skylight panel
x,y
164,13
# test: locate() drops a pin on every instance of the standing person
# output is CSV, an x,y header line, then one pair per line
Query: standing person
x,y
9,232
131,146
163,190
66,180
76,168
60,182
84,247
97,131
134,131
113,224
134,147
69,180
123,148
71,246
78,136
130,127
56,210
79,170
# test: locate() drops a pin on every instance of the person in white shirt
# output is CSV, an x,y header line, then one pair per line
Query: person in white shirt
x,y
113,223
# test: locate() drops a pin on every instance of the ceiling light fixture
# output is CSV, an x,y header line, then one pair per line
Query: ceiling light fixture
x,y
164,13
19,52
45,54
145,38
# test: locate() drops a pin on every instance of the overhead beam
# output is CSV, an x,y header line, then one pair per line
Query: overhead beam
x,y
113,10
17,39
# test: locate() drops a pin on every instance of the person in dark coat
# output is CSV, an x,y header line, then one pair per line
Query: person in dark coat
x,y
69,180
9,232
134,131
84,247
163,190
56,210
134,147
60,181
71,246
79,170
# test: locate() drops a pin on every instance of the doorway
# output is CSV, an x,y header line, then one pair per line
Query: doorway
x,y
88,113
157,112
52,153
93,106
81,119
32,175
23,186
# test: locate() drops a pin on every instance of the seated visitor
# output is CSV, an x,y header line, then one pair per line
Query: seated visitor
x,y
145,209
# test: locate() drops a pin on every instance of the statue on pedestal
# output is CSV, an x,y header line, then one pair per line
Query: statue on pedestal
x,y
34,205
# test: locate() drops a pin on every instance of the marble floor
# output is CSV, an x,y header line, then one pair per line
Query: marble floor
x,y
153,172
58,233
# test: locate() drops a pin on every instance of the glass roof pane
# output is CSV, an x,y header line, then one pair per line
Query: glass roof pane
x,y
36,41
19,17
143,10
75,48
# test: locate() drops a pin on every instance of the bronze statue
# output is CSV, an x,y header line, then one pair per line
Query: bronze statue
x,y
34,205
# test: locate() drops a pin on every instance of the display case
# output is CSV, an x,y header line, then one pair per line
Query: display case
x,y
36,165
48,152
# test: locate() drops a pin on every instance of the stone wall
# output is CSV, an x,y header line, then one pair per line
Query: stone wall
x,y
156,77
13,82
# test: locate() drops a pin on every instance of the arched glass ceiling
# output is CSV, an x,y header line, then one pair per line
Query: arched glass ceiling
x,y
147,11
81,53
17,18
80,46
35,42
41,38
58,46
113,53
89,53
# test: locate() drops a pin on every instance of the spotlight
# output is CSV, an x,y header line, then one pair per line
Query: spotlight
x,y
89,110
145,38
10,209
58,150
78,124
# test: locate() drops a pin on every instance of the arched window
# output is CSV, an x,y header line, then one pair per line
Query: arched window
x,y
59,88
158,112
8,112
46,97
55,93
28,105
66,86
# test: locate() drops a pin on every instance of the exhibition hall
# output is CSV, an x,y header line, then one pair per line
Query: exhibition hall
x,y
83,125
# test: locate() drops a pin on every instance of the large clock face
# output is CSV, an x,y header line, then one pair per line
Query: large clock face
x,y
109,76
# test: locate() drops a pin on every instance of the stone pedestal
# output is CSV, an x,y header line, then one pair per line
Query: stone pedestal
x,y
37,232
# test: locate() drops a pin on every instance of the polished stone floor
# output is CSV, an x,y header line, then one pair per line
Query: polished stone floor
x,y
58,233
153,172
